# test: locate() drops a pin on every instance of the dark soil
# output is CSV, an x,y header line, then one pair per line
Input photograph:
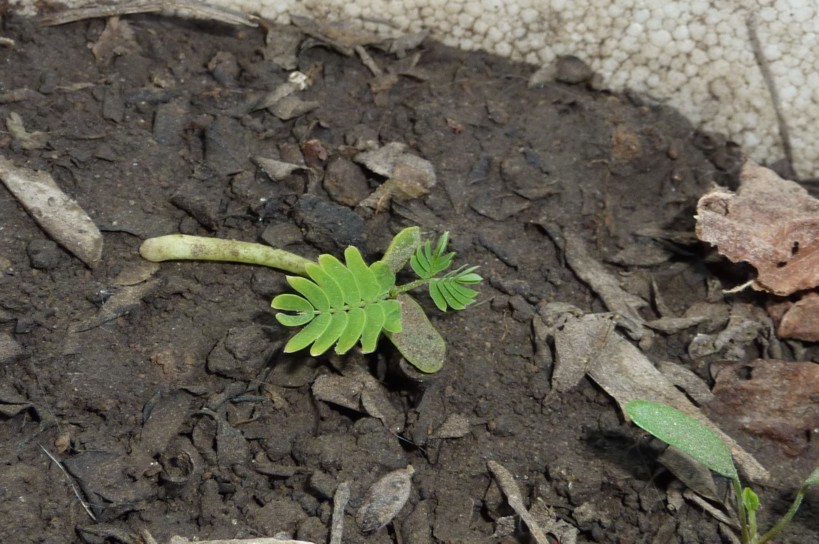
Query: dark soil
x,y
176,412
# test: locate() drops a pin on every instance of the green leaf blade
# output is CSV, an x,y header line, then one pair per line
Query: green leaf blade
x,y
419,342
364,277
383,277
327,284
292,303
294,320
437,296
401,248
308,334
342,275
685,433
311,291
338,322
392,316
373,325
356,319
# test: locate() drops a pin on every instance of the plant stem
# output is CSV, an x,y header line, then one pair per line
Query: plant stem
x,y
743,519
201,248
398,289
786,518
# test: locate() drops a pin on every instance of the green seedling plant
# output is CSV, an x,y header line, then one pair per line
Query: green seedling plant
x,y
702,444
342,304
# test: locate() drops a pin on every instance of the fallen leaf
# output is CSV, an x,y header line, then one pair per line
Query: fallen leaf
x,y
385,499
62,218
116,39
605,284
589,345
771,398
801,319
771,223
26,139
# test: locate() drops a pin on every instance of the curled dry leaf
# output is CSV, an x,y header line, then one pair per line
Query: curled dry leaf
x,y
52,209
385,499
771,223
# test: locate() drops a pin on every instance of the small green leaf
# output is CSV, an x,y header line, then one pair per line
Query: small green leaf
x,y
372,327
452,298
364,277
292,303
437,296
383,276
327,284
294,320
401,248
420,263
440,247
685,433
356,319
813,479
311,292
343,276
338,322
420,344
750,500
392,315
308,334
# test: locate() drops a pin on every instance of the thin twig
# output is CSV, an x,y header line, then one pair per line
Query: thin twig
x,y
765,69
70,482
340,499
197,8
510,488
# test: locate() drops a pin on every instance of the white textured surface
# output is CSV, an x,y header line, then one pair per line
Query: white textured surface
x,y
694,55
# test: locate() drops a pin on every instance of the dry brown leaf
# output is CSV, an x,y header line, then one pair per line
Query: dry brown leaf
x,y
116,39
800,320
778,399
588,344
771,223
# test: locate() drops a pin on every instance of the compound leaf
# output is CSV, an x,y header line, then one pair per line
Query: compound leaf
x,y
340,304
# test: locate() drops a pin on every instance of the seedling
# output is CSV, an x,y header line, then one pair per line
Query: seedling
x,y
698,441
344,304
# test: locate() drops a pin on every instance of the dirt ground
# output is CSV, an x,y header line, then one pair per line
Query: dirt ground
x,y
172,408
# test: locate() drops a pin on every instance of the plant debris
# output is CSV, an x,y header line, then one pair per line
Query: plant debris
x,y
57,214
385,499
771,223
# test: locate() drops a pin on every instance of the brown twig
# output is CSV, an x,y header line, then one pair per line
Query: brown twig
x,y
196,8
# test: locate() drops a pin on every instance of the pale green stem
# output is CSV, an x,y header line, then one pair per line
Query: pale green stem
x,y
174,247
743,519
786,518
398,289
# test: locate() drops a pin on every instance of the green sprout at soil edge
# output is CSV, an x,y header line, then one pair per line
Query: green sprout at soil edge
x,y
346,303
698,441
